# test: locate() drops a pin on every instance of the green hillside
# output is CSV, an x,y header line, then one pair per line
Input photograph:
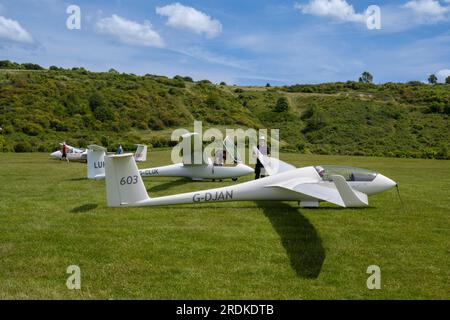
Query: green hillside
x,y
40,107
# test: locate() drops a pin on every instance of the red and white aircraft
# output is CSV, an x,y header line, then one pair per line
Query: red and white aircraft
x,y
73,154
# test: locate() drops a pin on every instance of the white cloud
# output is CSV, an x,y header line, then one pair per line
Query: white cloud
x,y
339,10
180,16
443,74
130,32
12,30
427,9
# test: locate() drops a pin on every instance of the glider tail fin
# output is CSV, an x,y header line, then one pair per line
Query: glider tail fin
x,y
124,185
95,162
141,153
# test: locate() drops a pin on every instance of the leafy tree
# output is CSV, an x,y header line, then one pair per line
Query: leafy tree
x,y
114,71
436,107
432,79
267,85
2,143
214,102
74,104
104,113
223,83
6,64
447,109
31,66
282,105
366,77
23,146
96,101
447,80
315,118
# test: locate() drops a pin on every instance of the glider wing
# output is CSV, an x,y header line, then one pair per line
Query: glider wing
x,y
339,193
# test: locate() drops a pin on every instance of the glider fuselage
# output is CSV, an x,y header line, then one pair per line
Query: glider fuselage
x,y
268,188
206,171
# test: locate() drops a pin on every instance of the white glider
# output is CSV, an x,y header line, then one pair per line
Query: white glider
x,y
186,169
141,153
343,186
73,154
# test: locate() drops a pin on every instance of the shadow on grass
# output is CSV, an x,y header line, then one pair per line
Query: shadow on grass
x,y
84,208
168,185
298,236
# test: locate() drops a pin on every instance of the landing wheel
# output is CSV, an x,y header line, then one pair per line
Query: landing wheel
x,y
234,179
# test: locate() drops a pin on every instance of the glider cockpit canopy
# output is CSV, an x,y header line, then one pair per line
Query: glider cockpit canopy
x,y
349,173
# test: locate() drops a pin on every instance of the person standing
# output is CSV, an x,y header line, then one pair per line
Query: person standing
x,y
65,149
265,150
219,158
119,149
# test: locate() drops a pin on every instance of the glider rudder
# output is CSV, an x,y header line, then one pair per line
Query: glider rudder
x,y
124,185
95,161
141,153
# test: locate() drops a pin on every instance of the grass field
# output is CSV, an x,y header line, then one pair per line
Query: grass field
x,y
52,217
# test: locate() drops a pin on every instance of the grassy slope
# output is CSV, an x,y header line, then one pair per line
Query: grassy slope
x,y
40,108
50,218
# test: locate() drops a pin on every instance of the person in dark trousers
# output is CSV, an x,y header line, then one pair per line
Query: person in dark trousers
x,y
265,150
119,149
64,152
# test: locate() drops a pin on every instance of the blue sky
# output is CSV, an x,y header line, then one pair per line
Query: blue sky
x,y
246,42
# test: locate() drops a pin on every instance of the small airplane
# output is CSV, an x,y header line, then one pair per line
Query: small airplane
x,y
343,186
96,159
141,153
186,169
73,154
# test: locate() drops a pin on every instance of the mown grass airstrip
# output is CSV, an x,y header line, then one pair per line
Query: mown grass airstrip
x,y
52,217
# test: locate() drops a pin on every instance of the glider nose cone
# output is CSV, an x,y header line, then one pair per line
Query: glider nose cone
x,y
244,169
56,154
385,183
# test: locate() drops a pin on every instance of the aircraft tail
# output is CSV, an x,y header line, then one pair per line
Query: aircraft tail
x,y
141,153
96,162
124,185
